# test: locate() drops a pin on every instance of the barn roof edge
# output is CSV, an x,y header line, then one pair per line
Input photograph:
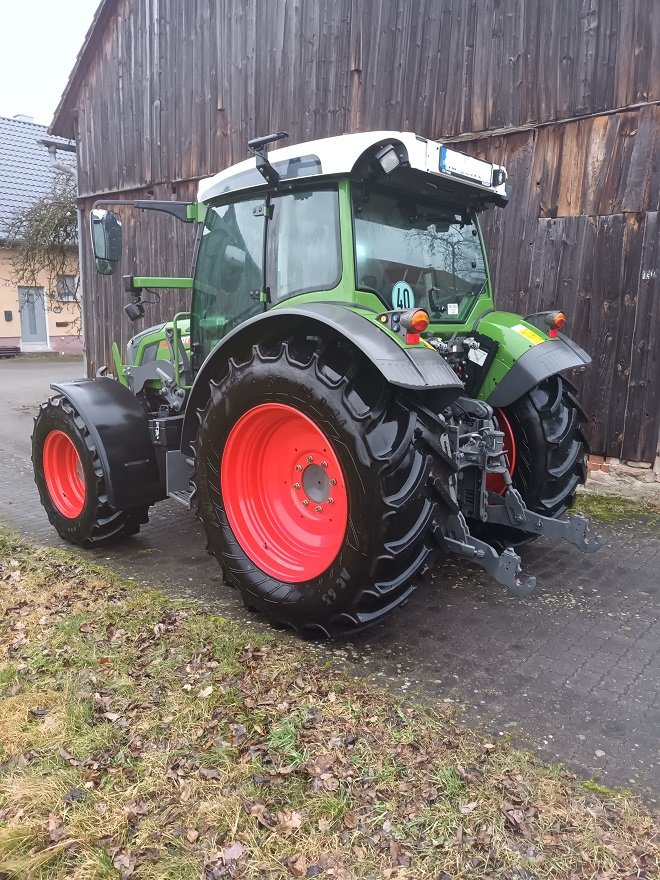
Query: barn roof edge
x,y
62,124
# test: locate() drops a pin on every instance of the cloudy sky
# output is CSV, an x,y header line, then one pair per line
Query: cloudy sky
x,y
40,41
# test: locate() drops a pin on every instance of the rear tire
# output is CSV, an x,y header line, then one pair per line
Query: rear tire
x,y
392,491
550,451
71,483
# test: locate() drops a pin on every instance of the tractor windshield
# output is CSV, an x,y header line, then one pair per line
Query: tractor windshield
x,y
416,254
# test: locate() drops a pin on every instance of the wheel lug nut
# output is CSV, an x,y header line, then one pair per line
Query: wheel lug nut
x,y
324,464
296,485
319,509
298,467
310,458
305,503
330,500
333,482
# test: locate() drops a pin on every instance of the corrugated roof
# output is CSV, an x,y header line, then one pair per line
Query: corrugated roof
x,y
26,172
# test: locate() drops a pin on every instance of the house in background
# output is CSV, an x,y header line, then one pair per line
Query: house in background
x,y
33,318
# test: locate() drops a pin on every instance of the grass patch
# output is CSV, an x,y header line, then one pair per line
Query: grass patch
x,y
144,738
617,508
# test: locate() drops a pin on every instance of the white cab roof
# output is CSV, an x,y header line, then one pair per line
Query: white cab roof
x,y
338,156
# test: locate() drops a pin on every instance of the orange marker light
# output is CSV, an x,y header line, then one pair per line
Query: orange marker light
x,y
419,321
555,321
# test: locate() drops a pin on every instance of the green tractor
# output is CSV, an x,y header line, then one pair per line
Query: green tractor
x,y
342,401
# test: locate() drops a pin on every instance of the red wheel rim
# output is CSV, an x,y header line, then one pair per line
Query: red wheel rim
x,y
284,492
64,474
494,482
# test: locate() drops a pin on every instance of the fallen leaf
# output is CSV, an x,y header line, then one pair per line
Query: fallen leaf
x,y
205,692
63,753
238,733
297,865
209,773
233,852
191,835
55,829
124,862
288,820
468,808
261,814
38,712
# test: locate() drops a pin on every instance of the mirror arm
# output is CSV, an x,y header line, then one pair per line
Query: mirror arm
x,y
180,210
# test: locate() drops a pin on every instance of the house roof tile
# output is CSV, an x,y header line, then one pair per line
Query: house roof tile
x,y
26,172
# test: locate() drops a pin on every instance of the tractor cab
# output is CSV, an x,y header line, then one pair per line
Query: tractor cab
x,y
383,222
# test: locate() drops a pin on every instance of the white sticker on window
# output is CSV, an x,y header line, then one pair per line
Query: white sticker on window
x,y
452,308
403,296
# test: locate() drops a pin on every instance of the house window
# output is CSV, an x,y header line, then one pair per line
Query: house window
x,y
66,288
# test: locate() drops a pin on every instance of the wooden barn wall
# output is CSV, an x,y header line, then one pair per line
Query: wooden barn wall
x,y
581,234
174,89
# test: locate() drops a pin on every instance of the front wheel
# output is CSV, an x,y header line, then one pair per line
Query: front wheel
x,y
317,491
546,449
70,479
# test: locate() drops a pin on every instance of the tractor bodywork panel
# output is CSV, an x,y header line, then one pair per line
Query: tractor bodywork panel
x,y
524,356
409,367
119,427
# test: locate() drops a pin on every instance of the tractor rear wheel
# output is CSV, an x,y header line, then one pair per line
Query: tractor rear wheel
x,y
70,479
546,448
317,486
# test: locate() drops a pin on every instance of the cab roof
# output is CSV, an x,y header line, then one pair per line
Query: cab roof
x,y
349,153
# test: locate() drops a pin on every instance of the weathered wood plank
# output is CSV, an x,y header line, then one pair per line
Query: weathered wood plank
x,y
642,411
631,256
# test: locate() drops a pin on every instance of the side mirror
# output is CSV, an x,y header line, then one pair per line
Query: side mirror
x,y
105,227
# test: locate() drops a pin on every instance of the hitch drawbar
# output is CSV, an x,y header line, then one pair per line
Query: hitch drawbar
x,y
503,567
510,510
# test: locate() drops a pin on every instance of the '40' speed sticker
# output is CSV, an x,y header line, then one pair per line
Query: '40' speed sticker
x,y
403,296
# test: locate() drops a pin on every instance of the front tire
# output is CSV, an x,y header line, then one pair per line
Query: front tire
x,y
285,430
70,479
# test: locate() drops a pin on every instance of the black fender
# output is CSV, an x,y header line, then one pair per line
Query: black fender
x,y
419,369
119,427
538,363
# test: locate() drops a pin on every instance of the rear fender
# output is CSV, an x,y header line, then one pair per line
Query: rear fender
x,y
119,427
525,356
416,369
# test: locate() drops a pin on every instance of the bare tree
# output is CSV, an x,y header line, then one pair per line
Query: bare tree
x,y
44,242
